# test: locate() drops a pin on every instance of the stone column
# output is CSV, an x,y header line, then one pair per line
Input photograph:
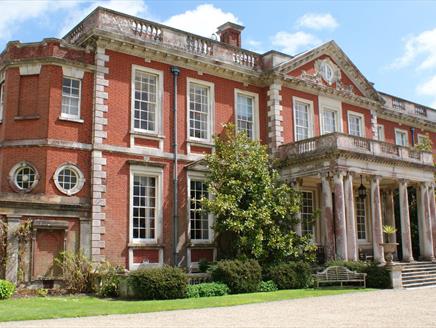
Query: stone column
x,y
340,225
425,229
377,230
327,217
12,249
431,199
406,240
350,218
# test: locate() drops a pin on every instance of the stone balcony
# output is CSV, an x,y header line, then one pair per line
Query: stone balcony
x,y
343,143
129,29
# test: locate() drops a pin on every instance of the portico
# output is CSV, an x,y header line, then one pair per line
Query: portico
x,y
355,180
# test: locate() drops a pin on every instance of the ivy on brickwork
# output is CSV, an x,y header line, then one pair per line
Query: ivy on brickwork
x,y
3,247
23,235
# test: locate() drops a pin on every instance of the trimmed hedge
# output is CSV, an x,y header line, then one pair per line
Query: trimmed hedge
x,y
207,289
7,289
377,276
290,275
239,276
158,283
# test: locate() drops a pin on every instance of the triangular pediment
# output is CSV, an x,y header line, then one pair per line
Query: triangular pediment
x,y
330,66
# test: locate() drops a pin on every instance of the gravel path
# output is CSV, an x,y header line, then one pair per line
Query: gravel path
x,y
388,308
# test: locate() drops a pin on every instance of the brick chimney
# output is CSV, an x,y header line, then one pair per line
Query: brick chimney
x,y
230,33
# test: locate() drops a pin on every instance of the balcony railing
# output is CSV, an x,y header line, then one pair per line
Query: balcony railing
x,y
141,31
343,142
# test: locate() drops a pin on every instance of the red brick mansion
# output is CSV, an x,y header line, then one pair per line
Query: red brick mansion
x,y
98,129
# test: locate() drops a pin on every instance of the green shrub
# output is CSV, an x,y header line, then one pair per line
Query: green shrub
x,y
76,271
158,283
239,276
107,280
377,276
290,275
7,289
41,292
267,286
203,265
207,289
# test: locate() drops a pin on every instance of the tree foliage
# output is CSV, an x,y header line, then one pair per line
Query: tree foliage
x,y
255,211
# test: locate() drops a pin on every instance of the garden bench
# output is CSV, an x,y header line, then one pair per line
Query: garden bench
x,y
339,274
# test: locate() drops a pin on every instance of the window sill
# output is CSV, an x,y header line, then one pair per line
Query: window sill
x,y
204,143
201,243
150,135
25,118
145,244
71,119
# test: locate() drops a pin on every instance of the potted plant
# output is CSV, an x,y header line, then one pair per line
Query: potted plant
x,y
389,247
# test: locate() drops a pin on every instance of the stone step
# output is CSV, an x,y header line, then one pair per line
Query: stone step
x,y
418,276
412,282
419,270
420,284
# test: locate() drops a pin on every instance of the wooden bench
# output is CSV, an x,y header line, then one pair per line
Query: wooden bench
x,y
339,274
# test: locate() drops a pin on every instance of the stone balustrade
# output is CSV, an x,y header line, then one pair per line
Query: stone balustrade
x,y
343,142
135,30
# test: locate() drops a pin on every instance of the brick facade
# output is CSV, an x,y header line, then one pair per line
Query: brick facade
x,y
105,147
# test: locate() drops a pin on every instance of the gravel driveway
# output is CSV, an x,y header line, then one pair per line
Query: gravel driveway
x,y
388,308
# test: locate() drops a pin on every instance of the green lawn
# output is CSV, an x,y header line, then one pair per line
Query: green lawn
x,y
35,308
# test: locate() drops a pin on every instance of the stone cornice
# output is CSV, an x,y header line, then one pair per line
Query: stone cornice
x,y
404,118
47,61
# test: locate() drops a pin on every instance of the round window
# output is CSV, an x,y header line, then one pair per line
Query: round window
x,y
23,176
327,72
69,179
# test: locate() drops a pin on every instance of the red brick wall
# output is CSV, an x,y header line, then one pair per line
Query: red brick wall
x,y
367,118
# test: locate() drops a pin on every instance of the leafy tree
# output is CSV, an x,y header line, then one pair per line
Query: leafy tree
x,y
255,211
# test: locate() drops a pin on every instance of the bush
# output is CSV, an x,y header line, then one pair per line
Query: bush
x,y
42,292
377,276
7,289
291,275
267,286
207,289
239,276
158,283
76,272
107,280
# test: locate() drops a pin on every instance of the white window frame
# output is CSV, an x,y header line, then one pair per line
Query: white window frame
x,y
159,100
80,179
362,117
311,116
333,105
198,176
13,177
211,113
68,116
314,208
156,173
380,137
366,239
255,97
421,136
406,138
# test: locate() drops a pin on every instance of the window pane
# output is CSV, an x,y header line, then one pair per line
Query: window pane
x,y
355,125
144,207
198,111
199,220
145,102
329,121
302,120
70,97
361,218
244,114
307,210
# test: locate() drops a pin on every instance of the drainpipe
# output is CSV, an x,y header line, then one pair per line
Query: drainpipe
x,y
412,130
175,71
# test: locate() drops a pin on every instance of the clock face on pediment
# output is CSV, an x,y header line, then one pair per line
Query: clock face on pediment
x,y
329,72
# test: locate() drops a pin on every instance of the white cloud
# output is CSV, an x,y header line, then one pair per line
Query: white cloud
x,y
293,42
427,88
421,46
203,20
255,46
130,7
317,21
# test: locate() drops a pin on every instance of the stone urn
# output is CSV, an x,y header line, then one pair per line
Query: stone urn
x,y
389,250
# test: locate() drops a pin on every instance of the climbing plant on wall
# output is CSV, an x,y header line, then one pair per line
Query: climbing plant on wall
x,y
23,235
3,247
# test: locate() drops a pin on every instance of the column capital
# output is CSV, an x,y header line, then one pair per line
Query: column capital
x,y
325,174
376,178
403,182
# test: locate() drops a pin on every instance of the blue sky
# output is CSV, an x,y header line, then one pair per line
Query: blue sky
x,y
392,43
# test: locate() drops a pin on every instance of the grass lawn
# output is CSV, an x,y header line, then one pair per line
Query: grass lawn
x,y
35,308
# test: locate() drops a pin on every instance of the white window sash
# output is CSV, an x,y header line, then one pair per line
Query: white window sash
x,y
401,138
69,97
308,128
201,178
360,120
255,111
361,207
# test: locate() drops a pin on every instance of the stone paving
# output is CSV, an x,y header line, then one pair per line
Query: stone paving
x,y
388,308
